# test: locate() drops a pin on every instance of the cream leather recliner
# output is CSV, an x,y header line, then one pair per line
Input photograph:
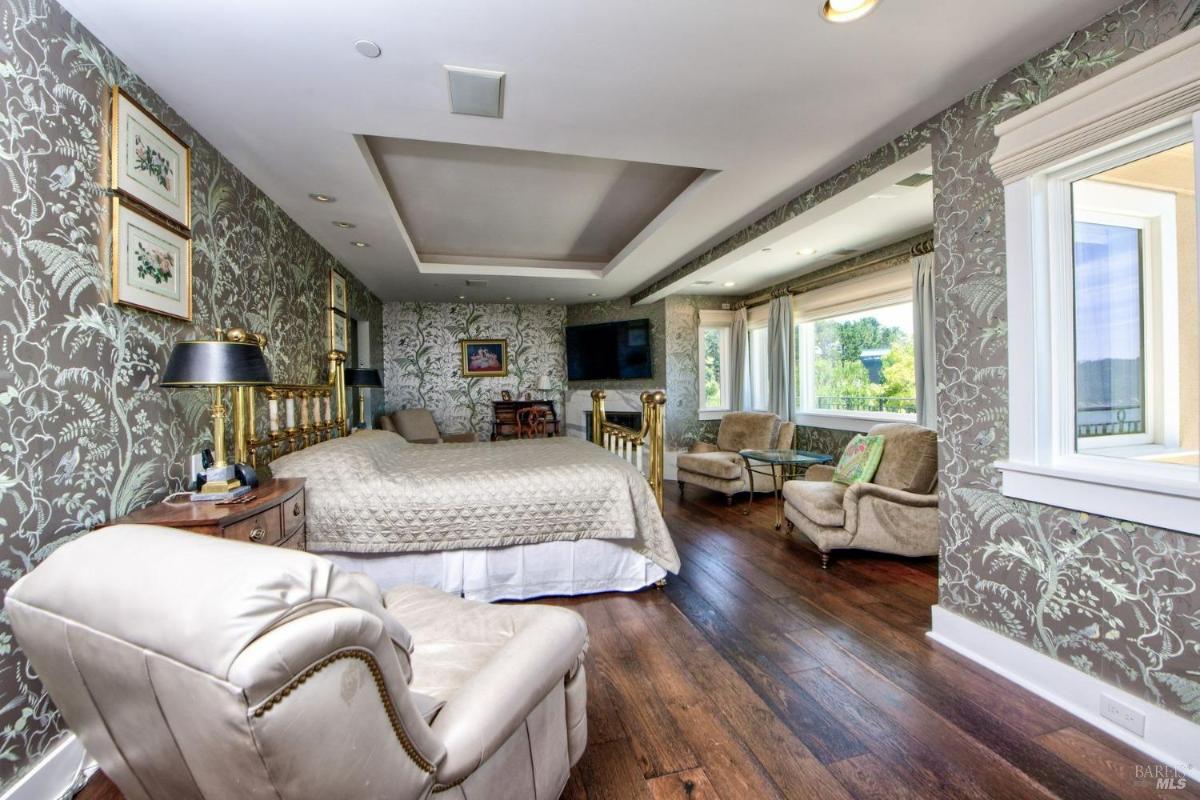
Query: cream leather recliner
x,y
193,667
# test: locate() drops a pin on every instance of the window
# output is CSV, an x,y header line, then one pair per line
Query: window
x,y
715,385
759,389
858,363
1103,307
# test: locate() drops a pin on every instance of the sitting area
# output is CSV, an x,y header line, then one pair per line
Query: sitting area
x,y
720,467
418,426
895,511
192,666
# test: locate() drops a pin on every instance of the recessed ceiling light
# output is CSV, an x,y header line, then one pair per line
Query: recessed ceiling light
x,y
360,244
729,284
322,198
366,47
593,294
462,297
847,10
807,251
508,298
551,299
882,197
344,225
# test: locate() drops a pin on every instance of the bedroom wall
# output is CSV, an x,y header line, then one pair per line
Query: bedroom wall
x,y
1116,600
91,437
422,358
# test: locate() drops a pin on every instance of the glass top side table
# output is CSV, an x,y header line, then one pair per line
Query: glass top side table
x,y
780,465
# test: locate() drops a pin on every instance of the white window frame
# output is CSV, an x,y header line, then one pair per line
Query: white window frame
x,y
721,321
1140,104
859,421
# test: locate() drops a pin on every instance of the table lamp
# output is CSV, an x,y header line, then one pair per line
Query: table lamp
x,y
544,384
363,379
215,365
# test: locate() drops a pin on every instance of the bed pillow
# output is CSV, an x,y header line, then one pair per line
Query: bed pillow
x,y
860,460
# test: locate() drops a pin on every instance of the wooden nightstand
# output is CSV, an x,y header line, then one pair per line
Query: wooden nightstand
x,y
275,517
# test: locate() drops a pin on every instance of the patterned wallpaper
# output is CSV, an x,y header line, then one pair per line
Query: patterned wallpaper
x,y
1116,600
423,366
92,437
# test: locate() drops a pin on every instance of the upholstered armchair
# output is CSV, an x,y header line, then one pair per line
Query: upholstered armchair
x,y
897,512
417,426
720,468
197,667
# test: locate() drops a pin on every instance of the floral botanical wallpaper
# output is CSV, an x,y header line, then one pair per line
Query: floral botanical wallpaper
x,y
91,436
423,366
1116,600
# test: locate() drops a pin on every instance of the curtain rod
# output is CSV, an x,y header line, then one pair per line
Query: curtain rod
x,y
923,247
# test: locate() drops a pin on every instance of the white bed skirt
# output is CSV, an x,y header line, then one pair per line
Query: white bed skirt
x,y
587,566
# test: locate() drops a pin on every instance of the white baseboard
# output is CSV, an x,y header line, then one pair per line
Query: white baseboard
x,y
53,777
1169,738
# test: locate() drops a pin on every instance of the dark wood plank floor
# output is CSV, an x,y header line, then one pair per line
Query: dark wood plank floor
x,y
755,674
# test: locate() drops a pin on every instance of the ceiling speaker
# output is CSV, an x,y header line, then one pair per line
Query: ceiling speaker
x,y
478,92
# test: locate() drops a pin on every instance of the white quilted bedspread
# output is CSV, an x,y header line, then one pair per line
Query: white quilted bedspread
x,y
373,493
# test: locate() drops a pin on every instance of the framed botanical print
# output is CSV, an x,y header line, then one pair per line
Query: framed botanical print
x,y
339,332
337,292
152,264
149,163
484,358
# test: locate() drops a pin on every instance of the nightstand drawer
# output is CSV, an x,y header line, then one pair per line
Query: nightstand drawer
x,y
262,528
294,540
293,512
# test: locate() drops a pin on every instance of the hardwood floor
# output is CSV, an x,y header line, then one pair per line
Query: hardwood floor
x,y
756,674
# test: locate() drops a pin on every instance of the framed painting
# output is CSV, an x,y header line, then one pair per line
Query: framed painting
x,y
337,292
484,358
152,264
339,332
149,163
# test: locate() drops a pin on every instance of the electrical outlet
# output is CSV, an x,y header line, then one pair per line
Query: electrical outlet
x,y
1125,716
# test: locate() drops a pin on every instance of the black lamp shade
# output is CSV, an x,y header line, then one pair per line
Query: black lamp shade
x,y
364,378
216,364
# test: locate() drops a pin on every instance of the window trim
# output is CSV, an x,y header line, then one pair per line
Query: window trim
x,y
1136,105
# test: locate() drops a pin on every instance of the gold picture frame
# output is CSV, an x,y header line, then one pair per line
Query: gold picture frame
x,y
152,262
484,358
338,293
149,163
339,332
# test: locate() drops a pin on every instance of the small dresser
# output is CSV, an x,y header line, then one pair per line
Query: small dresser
x,y
274,517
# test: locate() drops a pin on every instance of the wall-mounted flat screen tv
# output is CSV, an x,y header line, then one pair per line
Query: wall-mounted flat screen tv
x,y
609,351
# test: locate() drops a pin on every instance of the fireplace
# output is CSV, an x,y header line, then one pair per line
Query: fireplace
x,y
626,419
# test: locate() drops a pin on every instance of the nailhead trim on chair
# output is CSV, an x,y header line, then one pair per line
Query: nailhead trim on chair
x,y
393,716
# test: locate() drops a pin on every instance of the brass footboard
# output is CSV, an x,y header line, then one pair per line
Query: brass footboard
x,y
644,448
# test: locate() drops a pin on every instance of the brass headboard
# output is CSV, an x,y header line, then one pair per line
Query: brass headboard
x,y
298,415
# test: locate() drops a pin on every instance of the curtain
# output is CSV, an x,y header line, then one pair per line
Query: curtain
x,y
781,398
923,322
739,360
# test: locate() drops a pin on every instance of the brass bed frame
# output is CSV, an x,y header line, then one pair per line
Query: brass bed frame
x,y
635,446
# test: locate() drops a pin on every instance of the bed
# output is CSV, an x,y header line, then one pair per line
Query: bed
x,y
489,521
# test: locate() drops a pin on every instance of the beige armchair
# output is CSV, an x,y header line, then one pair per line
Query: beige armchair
x,y
720,468
896,513
417,426
195,667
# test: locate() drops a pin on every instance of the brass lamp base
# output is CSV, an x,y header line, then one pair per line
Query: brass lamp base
x,y
219,487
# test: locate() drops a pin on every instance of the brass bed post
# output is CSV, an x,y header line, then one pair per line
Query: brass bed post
x,y
598,416
653,404
337,379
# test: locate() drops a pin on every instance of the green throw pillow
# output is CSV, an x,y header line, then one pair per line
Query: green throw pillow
x,y
860,460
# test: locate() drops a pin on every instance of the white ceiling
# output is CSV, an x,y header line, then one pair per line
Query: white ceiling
x,y
874,212
766,93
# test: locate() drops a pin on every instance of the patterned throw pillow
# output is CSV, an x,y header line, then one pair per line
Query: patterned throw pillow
x,y
860,460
